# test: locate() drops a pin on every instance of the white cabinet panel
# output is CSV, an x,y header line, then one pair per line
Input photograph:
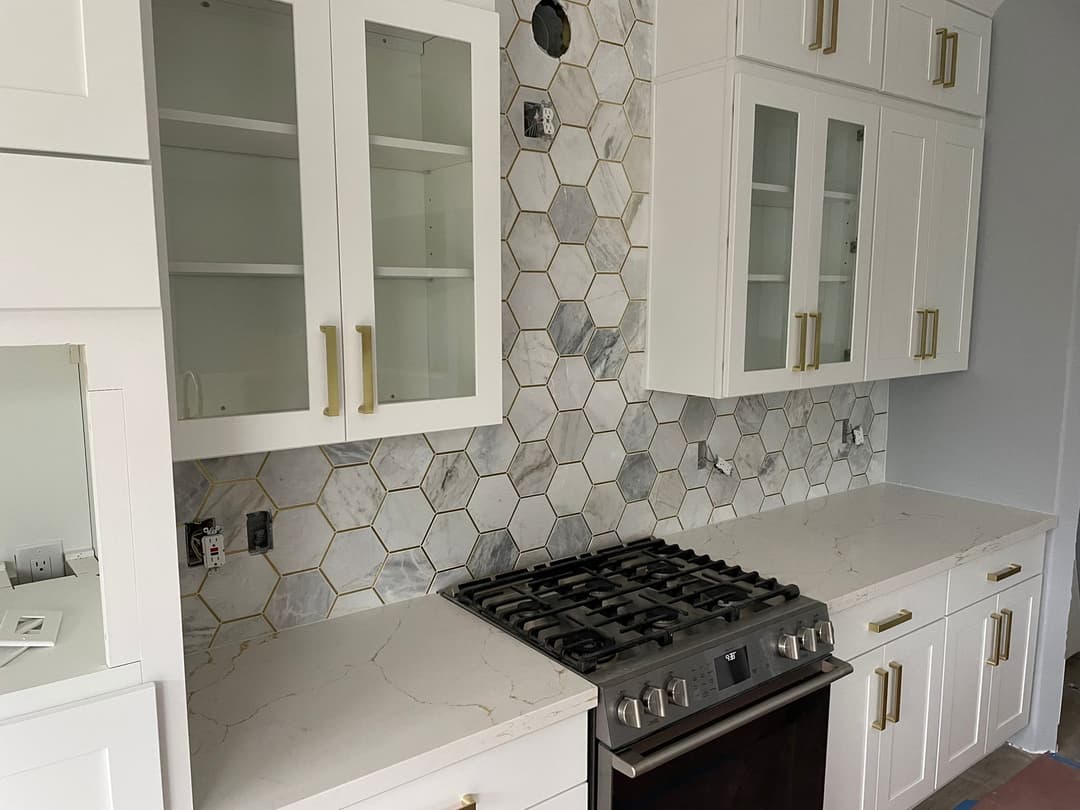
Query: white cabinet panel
x,y
851,767
859,43
574,799
71,77
1010,703
969,59
100,754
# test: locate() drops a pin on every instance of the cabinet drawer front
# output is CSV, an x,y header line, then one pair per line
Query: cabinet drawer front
x,y
993,573
504,778
574,799
925,601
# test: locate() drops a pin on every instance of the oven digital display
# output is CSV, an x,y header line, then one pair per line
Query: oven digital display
x,y
731,668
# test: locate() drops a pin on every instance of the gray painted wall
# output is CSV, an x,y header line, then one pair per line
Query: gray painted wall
x,y
1006,430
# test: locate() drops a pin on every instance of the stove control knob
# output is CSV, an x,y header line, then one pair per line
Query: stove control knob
x,y
678,692
655,701
788,646
824,632
808,638
629,712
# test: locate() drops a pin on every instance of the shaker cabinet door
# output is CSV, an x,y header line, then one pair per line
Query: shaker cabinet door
x,y
851,765
1010,702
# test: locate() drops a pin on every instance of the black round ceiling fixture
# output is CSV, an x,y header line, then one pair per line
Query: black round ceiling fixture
x,y
551,28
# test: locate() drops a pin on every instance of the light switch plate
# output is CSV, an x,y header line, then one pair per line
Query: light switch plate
x,y
30,628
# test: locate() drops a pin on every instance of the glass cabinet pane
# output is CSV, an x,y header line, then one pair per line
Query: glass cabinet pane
x,y
768,309
839,240
231,176
420,133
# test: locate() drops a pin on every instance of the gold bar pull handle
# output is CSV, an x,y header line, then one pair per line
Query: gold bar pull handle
x,y
893,621
801,317
943,64
367,339
820,30
468,802
936,313
1007,643
955,39
333,373
898,691
816,365
883,699
924,315
995,656
835,28
1004,573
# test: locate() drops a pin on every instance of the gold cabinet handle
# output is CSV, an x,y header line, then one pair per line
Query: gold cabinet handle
x,y
924,315
891,622
820,31
835,27
1007,647
816,365
468,802
367,338
995,656
883,699
944,63
936,313
1004,573
802,319
333,373
898,691
955,39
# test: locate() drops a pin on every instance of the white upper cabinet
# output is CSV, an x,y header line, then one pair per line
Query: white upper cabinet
x,y
938,52
835,40
71,77
332,244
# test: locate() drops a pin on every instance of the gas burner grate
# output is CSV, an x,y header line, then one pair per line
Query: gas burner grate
x,y
587,610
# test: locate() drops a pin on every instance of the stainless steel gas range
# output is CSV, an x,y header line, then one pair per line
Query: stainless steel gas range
x,y
713,681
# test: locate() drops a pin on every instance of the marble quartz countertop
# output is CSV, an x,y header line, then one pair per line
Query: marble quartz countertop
x,y
847,548
344,709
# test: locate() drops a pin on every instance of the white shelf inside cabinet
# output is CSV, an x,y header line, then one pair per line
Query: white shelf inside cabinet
x,y
423,272
227,133
408,155
234,269
772,188
841,195
777,278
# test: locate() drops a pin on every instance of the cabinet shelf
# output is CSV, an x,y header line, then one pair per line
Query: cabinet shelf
x,y
772,188
423,272
778,278
840,195
235,269
408,155
227,133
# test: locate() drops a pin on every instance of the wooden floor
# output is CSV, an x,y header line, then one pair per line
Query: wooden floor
x,y
1006,762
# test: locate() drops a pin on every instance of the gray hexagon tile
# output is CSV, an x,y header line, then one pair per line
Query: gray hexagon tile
x,y
667,407
613,19
749,498
604,508
637,522
346,453
632,376
573,94
644,9
694,475
795,487
354,560
821,393
189,487
571,535
229,505
571,272
818,464
510,330
570,383
667,494
638,164
348,603
508,150
668,446
492,503
722,488
573,156
839,477
773,473
450,481
301,537
240,588
494,553
635,273
879,431
636,477
532,413
508,83
842,401
695,510
299,599
608,245
405,574
233,468
231,633
533,300
532,522
404,519
572,214
584,37
510,269
797,447
750,413
611,73
533,181
821,422
533,67
491,448
879,396
568,489
637,427
774,431
724,437
604,458
351,497
533,358
198,622
696,419
402,461
605,405
638,108
797,408
610,132
532,468
569,436
450,540
606,353
637,218
607,300
571,327
449,441
532,241
609,189
508,18
641,50
294,477
749,456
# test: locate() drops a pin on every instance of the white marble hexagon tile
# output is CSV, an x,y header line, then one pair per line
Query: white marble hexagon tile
x,y
586,456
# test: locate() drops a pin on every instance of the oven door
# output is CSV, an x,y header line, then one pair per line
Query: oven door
x,y
768,754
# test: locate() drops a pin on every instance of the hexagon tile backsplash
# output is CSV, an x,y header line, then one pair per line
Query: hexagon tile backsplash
x,y
586,456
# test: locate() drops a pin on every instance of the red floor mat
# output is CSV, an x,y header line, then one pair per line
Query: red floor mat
x,y
1048,783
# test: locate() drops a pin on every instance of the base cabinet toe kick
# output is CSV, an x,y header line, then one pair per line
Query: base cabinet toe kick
x,y
942,677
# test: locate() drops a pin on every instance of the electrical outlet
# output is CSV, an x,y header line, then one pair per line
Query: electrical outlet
x,y
38,562
539,120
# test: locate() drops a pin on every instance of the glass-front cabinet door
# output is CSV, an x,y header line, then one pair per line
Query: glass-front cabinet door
x,y
770,237
415,92
246,123
844,182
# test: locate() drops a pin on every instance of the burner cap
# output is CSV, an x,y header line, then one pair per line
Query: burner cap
x,y
583,643
661,617
656,571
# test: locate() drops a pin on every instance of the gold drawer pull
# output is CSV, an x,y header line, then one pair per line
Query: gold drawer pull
x,y
333,376
820,31
934,339
367,338
836,29
924,314
891,622
1004,573
883,699
468,802
1008,614
995,656
955,38
944,64
801,317
816,365
898,690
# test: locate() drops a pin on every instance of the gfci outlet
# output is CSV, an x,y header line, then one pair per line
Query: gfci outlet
x,y
38,562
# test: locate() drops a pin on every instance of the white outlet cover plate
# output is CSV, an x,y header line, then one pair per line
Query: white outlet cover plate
x,y
45,626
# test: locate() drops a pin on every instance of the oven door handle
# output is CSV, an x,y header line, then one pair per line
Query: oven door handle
x,y
632,764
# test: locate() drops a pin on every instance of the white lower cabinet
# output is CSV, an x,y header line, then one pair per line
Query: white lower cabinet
x,y
98,754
